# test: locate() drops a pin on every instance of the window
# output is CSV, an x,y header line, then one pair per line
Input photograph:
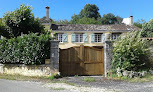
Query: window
x,y
79,37
98,37
115,35
59,37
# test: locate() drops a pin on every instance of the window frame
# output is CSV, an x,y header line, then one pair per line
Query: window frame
x,y
78,38
98,37
59,37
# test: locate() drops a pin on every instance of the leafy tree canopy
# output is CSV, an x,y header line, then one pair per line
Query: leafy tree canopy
x,y
147,29
139,23
109,19
90,11
20,21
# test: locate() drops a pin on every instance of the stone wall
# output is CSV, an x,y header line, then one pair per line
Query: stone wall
x,y
28,70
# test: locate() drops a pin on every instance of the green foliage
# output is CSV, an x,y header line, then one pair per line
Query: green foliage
x,y
20,21
109,19
86,20
27,49
119,19
90,11
89,79
54,76
147,29
139,23
131,53
88,15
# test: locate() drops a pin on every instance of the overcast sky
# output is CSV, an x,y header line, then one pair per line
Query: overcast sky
x,y
64,9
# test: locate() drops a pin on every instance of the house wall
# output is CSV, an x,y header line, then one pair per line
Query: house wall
x,y
69,43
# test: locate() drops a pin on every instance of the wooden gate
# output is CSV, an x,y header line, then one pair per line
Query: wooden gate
x,y
81,60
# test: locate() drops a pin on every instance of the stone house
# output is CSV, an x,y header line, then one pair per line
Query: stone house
x,y
70,35
89,35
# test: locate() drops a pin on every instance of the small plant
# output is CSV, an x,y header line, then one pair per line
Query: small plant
x,y
89,79
75,75
54,76
58,88
51,77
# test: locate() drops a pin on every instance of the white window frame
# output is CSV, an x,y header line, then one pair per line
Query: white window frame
x,y
79,37
60,37
98,37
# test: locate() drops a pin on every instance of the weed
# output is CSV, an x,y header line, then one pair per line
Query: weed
x,y
58,88
75,75
89,79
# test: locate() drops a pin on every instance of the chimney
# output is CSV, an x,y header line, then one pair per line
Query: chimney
x,y
128,21
47,12
131,20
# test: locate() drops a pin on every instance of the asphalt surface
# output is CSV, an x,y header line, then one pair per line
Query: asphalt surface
x,y
116,85
21,86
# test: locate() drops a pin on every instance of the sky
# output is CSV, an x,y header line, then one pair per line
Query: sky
x,y
64,9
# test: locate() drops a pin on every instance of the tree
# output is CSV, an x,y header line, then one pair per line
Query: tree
x,y
21,21
90,11
74,19
109,19
139,23
86,20
147,29
119,20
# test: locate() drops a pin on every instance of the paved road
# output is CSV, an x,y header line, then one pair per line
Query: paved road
x,y
21,86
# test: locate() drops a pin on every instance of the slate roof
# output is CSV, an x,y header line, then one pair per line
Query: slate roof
x,y
84,27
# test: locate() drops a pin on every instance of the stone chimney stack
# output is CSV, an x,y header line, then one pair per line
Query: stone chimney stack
x,y
131,20
47,12
128,21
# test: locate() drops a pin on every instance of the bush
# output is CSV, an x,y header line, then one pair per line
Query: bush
x,y
131,53
26,49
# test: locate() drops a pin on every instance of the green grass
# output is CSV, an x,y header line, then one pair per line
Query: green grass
x,y
21,77
146,78
89,79
51,77
58,88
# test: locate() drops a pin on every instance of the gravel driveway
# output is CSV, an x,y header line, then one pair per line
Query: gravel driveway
x,y
116,85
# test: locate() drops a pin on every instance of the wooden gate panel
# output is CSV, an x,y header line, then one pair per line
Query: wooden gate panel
x,y
82,61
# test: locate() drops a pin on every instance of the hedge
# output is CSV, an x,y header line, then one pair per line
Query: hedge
x,y
131,53
26,49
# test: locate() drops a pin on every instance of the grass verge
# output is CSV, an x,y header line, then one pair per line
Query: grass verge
x,y
146,78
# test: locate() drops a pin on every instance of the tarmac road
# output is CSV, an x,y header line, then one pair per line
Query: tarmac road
x,y
21,86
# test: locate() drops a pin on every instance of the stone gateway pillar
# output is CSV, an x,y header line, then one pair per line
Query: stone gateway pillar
x,y
54,54
108,54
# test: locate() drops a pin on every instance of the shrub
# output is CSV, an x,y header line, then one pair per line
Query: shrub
x,y
26,49
131,53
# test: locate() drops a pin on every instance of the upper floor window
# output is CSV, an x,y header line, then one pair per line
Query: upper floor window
x,y
115,35
79,37
61,37
97,37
